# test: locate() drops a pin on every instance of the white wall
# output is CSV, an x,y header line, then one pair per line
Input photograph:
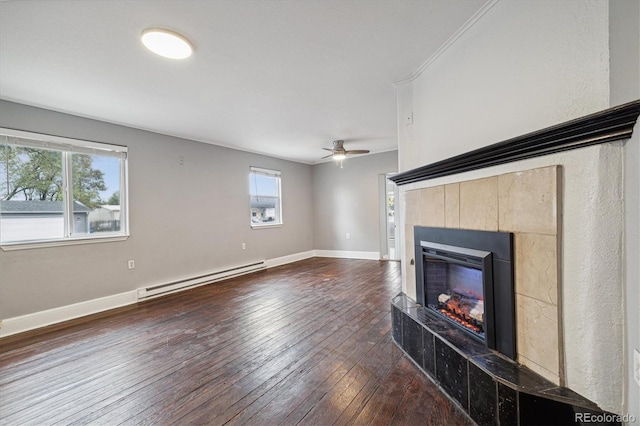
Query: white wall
x,y
524,66
625,87
346,200
185,220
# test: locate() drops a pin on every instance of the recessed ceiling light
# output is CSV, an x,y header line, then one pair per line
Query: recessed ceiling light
x,y
166,43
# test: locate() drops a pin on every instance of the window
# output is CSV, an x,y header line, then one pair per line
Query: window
x,y
56,189
266,201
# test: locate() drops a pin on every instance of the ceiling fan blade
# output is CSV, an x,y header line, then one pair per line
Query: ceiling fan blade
x,y
328,149
327,156
357,151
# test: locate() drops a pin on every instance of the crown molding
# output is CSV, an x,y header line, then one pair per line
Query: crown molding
x,y
463,29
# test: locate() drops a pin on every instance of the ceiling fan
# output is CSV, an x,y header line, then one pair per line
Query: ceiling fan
x,y
339,153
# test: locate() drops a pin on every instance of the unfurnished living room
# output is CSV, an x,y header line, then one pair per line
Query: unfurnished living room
x,y
319,212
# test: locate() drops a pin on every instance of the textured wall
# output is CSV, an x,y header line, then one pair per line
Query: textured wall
x,y
625,86
524,66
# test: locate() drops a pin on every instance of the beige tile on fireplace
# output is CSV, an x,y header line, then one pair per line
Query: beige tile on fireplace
x,y
412,207
409,268
540,370
536,268
537,325
432,206
479,204
452,205
528,201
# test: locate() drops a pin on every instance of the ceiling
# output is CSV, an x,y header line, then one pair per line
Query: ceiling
x,y
282,78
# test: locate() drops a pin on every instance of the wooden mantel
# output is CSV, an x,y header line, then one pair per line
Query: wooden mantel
x,y
610,125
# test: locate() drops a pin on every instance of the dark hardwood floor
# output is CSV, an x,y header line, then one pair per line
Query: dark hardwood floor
x,y
305,343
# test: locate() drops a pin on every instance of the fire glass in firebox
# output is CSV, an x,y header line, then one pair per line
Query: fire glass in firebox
x,y
455,291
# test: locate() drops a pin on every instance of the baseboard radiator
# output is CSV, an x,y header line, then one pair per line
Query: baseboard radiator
x,y
172,287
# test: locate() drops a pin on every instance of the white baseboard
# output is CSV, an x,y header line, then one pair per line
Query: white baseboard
x,y
289,259
366,255
40,319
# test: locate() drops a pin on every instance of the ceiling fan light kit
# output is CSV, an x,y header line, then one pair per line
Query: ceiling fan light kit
x,y
338,153
339,156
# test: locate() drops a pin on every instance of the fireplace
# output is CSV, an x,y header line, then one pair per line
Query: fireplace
x,y
455,279
467,280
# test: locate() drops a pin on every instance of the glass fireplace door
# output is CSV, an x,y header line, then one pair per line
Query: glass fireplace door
x,y
455,285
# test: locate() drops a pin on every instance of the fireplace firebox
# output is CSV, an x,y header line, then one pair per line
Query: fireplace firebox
x,y
467,279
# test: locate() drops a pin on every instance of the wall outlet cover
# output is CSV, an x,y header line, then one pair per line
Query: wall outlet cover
x,y
409,118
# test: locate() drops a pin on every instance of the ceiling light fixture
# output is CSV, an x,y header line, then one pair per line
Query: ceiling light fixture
x,y
166,43
339,156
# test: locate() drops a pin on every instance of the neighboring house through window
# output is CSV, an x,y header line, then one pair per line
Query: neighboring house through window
x,y
55,189
266,199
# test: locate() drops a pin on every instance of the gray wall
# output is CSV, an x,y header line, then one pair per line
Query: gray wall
x,y
184,219
346,200
624,33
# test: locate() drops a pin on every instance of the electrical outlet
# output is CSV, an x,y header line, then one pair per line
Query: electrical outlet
x,y
181,160
348,236
636,366
131,264
244,246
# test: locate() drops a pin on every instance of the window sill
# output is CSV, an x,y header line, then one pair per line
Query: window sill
x,y
265,226
59,243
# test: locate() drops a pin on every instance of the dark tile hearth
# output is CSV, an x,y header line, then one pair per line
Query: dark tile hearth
x,y
490,387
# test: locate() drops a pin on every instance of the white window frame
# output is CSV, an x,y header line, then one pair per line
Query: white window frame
x,y
271,173
68,147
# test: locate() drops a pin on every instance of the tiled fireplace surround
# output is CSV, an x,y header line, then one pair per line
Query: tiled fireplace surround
x,y
490,388
528,202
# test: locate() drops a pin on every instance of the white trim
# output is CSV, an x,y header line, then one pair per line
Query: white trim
x,y
265,172
67,147
278,261
35,320
447,44
265,225
341,254
22,245
40,319
43,140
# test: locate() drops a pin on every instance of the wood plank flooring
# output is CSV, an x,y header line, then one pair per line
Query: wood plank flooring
x,y
306,343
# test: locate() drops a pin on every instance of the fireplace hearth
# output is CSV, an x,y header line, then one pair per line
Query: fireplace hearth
x,y
467,279
490,388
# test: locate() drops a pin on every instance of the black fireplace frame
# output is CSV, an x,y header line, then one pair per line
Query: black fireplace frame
x,y
500,326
